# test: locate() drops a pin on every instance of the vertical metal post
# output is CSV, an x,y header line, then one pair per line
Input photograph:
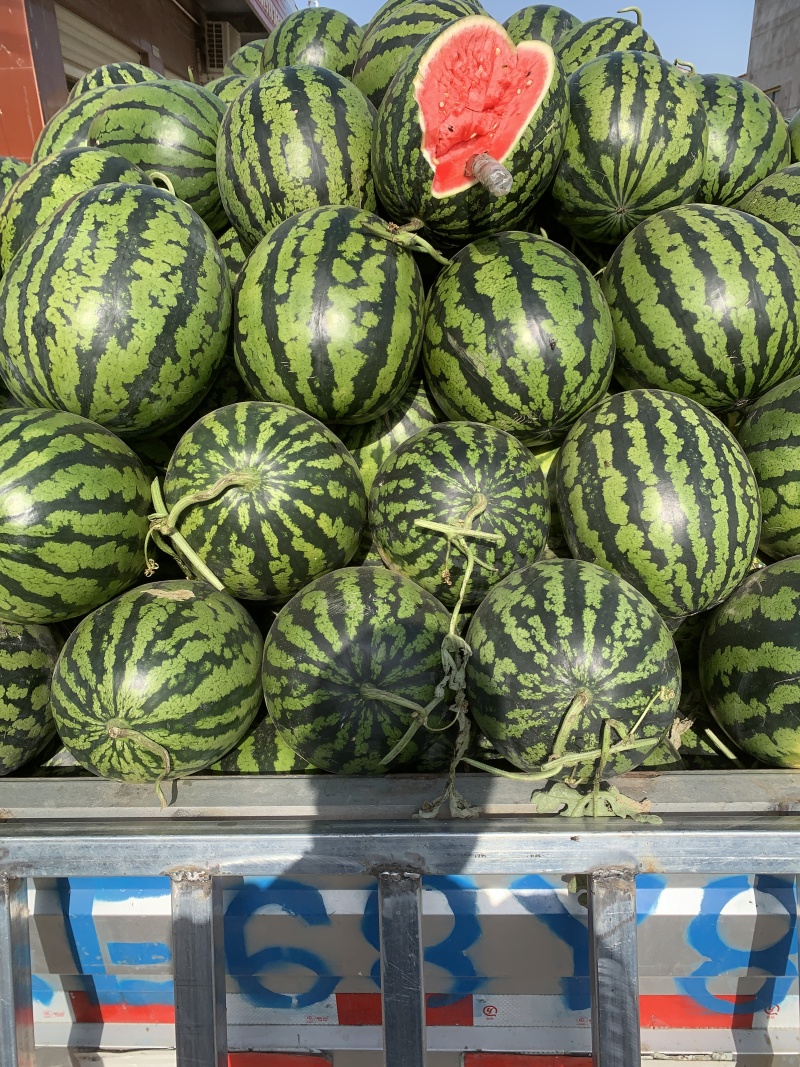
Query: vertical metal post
x,y
198,961
17,1047
616,1038
403,996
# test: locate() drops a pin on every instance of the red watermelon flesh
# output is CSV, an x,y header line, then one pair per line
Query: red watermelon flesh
x,y
477,92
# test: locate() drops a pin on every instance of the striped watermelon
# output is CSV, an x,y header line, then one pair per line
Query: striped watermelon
x,y
328,316
794,137
653,487
172,127
246,61
294,507
128,331
262,750
228,87
336,656
461,477
69,127
314,36
426,137
601,36
45,186
776,200
390,8
748,138
517,335
114,74
75,501
311,148
392,38
233,252
721,350
10,169
159,683
750,664
559,649
636,144
28,655
540,22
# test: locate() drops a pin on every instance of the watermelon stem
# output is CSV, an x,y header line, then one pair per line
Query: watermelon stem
x,y
723,748
405,237
490,173
160,180
569,722
684,65
138,738
635,10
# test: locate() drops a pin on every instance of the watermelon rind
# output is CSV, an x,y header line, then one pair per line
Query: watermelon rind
x,y
602,36
11,169
246,60
114,74
316,36
28,655
776,200
541,22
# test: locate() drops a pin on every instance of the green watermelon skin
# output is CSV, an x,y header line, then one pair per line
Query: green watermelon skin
x,y
770,435
233,252
178,661
652,486
439,475
114,74
312,149
47,185
60,473
314,36
355,628
403,176
554,629
517,335
228,87
393,38
262,751
748,138
328,316
171,127
794,137
723,351
390,9
750,661
133,338
10,170
246,61
776,200
602,36
28,655
541,22
69,127
300,516
636,144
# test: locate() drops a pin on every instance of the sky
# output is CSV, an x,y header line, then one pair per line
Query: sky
x,y
714,35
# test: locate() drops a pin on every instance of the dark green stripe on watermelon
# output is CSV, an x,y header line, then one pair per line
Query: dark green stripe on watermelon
x,y
117,308
635,144
705,302
653,487
175,663
542,22
246,61
517,335
10,170
600,36
328,316
776,200
233,252
114,74
316,36
331,653
69,127
28,655
262,751
296,138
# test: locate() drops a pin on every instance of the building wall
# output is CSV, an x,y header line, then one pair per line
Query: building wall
x,y
774,61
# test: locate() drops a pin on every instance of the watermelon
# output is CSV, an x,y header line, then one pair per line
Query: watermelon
x,y
233,252
517,335
427,137
228,87
246,61
293,507
636,144
160,682
390,10
172,127
540,22
316,37
328,316
560,649
262,750
311,148
127,328
750,663
748,138
28,655
75,501
705,301
114,74
794,137
10,169
480,488
653,487
776,200
47,185
602,36
69,127
392,38
339,657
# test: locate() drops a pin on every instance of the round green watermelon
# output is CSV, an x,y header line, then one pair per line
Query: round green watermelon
x,y
228,87
794,136
10,170
540,22
776,200
114,74
262,750
28,655
246,61
314,36
69,127
601,36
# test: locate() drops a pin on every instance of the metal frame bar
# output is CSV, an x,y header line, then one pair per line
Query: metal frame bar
x,y
16,996
402,991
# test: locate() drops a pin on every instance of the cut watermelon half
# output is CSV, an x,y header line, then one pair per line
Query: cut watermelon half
x,y
477,93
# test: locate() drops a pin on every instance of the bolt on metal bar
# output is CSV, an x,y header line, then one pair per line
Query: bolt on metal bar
x,y
198,962
17,1048
614,967
402,991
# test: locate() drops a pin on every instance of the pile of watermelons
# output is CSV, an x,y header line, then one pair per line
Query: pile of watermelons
x,y
417,396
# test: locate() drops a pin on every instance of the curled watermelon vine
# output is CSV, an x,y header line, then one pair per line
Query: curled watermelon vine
x,y
117,732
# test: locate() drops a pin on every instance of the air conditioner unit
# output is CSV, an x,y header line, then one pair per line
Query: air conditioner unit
x,y
222,40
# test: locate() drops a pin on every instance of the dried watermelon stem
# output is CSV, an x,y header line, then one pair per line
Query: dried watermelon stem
x,y
406,237
117,732
637,12
683,64
492,175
